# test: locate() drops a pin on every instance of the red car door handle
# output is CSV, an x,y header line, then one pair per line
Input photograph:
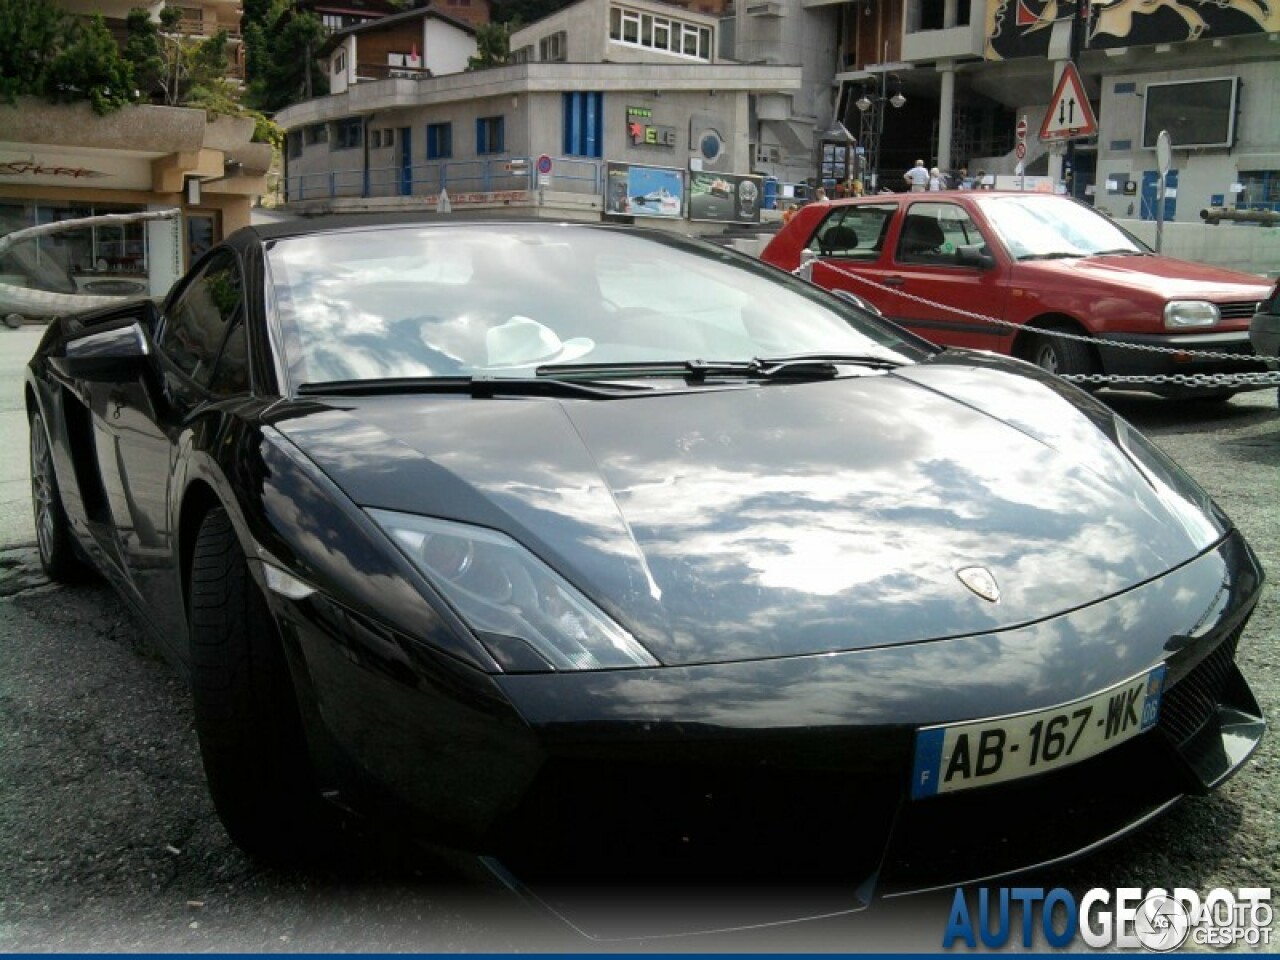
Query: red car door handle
x,y
894,281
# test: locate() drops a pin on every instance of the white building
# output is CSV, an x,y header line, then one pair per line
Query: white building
x,y
635,83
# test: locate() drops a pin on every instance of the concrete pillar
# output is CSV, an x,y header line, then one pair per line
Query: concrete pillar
x,y
946,108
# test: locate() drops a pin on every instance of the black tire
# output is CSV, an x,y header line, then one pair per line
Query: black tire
x,y
246,712
1060,355
54,540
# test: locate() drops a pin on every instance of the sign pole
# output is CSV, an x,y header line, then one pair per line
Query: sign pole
x,y
1079,25
1164,160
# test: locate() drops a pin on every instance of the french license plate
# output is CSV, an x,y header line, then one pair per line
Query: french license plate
x,y
965,755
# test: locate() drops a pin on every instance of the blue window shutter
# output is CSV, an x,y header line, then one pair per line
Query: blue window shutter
x,y
595,121
481,146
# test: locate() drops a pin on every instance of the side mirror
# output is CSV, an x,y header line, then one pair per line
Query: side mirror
x,y
975,255
119,352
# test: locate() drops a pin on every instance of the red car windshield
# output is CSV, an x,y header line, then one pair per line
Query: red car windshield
x,y
1043,226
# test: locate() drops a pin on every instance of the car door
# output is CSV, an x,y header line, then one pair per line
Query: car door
x,y
850,245
949,275
147,422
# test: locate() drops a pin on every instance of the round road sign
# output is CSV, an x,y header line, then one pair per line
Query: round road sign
x,y
1164,152
1020,150
544,164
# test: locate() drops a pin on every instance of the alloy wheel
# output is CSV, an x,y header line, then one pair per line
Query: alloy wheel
x,y
42,495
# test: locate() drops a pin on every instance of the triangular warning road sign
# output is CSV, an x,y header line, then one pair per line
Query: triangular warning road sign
x,y
1070,115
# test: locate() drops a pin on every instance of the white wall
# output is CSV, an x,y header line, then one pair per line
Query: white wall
x,y
446,49
1202,173
1236,246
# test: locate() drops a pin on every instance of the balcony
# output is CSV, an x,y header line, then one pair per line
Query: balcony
x,y
381,71
190,27
964,42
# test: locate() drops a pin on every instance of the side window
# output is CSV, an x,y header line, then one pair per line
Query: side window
x,y
197,322
933,232
855,233
231,375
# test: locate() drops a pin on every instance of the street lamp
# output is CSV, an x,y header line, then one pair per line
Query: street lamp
x,y
871,129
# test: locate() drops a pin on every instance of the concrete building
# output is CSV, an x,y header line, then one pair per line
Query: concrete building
x,y
63,161
637,84
970,71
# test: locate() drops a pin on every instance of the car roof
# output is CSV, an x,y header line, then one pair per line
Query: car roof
x,y
329,223
935,194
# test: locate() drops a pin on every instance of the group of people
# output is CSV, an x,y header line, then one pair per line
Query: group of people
x,y
920,179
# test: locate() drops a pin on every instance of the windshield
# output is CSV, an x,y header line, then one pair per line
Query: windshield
x,y
1042,225
503,300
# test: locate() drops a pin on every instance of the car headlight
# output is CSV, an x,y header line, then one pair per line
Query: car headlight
x,y
503,591
1179,314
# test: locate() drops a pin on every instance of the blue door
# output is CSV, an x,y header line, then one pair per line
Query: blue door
x,y
406,161
1150,180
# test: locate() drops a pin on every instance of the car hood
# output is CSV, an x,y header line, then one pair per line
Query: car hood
x,y
757,521
1164,277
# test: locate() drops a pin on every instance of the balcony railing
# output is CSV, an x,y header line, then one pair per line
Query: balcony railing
x,y
207,28
382,71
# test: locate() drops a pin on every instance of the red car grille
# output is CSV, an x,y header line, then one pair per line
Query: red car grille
x,y
1238,310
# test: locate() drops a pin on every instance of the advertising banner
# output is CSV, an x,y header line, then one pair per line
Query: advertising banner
x,y
644,191
725,197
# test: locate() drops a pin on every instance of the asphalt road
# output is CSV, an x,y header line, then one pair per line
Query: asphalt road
x,y
108,841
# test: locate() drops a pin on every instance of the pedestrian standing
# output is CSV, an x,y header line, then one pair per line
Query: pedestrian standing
x,y
917,177
936,180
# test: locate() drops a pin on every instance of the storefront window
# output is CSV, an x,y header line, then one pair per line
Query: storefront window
x,y
86,258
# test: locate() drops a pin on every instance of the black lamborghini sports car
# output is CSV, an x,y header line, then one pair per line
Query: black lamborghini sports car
x,y
611,555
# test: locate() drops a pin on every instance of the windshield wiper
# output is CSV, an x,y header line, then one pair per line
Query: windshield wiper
x,y
800,366
1056,255
1120,251
477,386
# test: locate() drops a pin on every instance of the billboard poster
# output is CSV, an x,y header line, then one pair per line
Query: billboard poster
x,y
638,191
725,197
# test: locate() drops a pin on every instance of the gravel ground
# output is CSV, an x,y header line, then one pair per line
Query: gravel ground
x,y
108,841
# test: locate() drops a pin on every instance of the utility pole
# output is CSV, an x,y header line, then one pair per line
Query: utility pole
x,y
1079,31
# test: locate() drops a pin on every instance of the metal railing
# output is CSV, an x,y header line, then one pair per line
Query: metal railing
x,y
570,175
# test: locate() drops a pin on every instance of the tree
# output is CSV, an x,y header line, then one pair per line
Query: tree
x,y
45,52
89,66
525,11
282,67
174,68
30,34
143,49
493,47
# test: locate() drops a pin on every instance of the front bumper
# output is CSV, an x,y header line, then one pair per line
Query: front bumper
x,y
788,776
770,791
1188,356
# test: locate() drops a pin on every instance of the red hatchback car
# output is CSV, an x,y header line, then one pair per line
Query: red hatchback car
x,y
939,263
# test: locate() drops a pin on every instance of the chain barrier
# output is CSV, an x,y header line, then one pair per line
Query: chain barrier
x,y
1196,380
